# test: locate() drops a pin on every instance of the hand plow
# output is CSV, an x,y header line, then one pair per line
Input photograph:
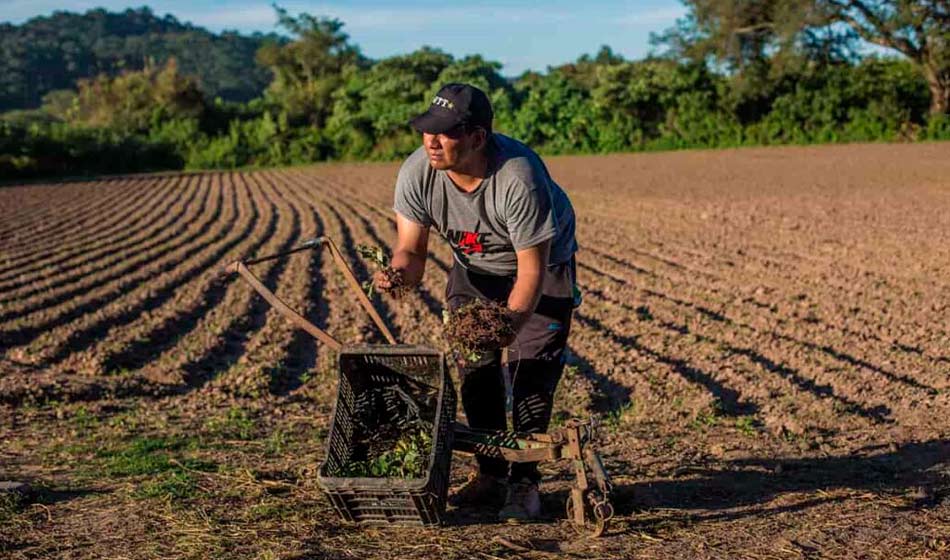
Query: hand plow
x,y
415,378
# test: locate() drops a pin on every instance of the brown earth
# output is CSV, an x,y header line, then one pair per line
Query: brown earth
x,y
764,336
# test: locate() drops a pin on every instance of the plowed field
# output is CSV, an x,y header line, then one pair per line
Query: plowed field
x,y
764,336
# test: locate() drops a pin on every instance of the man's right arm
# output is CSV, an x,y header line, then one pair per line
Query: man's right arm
x,y
412,223
409,253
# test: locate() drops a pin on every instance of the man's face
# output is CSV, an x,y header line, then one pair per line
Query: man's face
x,y
451,149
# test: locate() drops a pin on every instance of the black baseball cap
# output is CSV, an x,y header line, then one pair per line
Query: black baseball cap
x,y
455,104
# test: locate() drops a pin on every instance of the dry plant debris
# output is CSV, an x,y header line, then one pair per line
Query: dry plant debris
x,y
477,326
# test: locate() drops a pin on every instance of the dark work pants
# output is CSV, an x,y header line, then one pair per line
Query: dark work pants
x,y
536,360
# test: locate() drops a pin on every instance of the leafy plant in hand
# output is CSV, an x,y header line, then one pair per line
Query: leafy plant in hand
x,y
380,259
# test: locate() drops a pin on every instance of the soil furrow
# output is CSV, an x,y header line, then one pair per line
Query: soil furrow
x,y
74,218
725,344
347,245
781,284
218,340
140,237
169,242
67,309
115,211
293,352
244,376
770,317
76,252
173,290
44,201
345,319
203,247
316,288
318,293
176,322
24,207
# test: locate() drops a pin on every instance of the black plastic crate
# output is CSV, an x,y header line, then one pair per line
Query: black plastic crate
x,y
404,501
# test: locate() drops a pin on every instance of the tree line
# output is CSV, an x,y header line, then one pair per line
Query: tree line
x,y
51,53
731,73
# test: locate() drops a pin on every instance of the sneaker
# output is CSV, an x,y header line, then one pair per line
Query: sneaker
x,y
523,502
481,489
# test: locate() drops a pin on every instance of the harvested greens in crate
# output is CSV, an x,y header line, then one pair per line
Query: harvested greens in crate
x,y
390,441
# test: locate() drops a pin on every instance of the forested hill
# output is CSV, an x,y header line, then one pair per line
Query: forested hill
x,y
51,52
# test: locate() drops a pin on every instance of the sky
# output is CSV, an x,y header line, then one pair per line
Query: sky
x,y
522,35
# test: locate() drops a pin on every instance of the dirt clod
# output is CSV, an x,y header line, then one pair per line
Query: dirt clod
x,y
478,326
395,277
380,259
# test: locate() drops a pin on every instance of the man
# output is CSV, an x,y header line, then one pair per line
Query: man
x,y
511,228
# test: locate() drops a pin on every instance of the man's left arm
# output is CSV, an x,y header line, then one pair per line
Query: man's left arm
x,y
524,296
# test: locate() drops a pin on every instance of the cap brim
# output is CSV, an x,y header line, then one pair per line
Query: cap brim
x,y
432,122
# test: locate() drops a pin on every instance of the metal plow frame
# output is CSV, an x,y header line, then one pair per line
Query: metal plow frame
x,y
241,268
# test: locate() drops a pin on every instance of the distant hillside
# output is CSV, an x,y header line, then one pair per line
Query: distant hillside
x,y
52,52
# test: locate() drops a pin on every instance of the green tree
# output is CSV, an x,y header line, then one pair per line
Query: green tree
x,y
309,69
381,101
137,100
556,115
349,130
632,98
750,37
53,52
918,29
584,71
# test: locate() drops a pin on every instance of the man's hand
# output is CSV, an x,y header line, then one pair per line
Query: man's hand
x,y
409,254
517,321
382,281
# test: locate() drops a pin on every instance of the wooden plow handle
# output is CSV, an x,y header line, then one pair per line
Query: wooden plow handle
x,y
241,268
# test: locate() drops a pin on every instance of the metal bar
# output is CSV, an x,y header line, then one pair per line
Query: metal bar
x,y
533,455
527,455
282,307
577,497
357,289
581,483
600,473
309,244
512,446
515,440
347,273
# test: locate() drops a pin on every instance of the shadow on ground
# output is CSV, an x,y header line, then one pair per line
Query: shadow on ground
x,y
921,469
13,516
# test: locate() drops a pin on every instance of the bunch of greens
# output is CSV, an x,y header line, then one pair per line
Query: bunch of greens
x,y
380,259
408,458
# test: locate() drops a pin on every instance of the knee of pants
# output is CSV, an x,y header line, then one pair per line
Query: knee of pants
x,y
530,377
482,379
532,413
483,397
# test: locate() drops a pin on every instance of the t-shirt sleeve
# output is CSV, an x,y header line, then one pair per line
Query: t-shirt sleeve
x,y
409,200
530,217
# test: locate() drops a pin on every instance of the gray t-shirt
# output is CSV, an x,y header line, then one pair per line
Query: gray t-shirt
x,y
516,206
